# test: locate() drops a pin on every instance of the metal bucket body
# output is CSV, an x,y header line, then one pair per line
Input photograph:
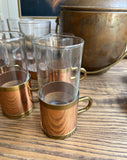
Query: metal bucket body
x,y
103,28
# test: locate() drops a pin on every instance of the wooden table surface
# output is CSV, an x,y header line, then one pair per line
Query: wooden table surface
x,y
101,131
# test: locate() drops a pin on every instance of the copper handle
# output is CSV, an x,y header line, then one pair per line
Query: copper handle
x,y
84,98
84,73
82,70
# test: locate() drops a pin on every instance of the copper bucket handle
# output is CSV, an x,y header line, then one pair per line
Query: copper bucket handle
x,y
84,109
107,67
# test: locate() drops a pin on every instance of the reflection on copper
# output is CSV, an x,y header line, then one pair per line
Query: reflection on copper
x,y
18,59
59,71
3,69
15,94
32,65
33,75
43,70
30,58
66,120
58,109
54,3
60,75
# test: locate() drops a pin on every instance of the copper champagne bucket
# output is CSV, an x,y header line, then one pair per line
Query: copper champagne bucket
x,y
103,26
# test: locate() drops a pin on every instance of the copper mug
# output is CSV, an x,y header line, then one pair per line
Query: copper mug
x,y
59,109
15,92
58,60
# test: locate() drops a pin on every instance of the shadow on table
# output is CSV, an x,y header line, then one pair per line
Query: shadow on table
x,y
122,102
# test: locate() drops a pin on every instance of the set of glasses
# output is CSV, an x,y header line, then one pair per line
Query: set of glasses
x,y
54,60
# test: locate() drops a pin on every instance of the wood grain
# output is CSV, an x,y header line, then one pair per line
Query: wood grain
x,y
16,102
58,123
101,131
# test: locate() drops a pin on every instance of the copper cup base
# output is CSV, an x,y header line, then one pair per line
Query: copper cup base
x,y
60,136
19,116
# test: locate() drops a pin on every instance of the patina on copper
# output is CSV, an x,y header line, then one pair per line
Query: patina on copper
x,y
103,26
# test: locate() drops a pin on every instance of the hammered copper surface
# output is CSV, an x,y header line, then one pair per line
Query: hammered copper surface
x,y
103,26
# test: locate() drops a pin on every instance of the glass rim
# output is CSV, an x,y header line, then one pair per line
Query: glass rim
x,y
33,21
20,36
37,42
15,87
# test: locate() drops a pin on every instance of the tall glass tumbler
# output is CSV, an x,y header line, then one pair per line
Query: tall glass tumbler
x,y
33,29
58,59
12,49
13,23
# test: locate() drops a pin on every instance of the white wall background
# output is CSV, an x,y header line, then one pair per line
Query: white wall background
x,y
9,9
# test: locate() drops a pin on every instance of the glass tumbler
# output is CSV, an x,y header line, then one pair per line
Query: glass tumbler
x,y
12,49
58,59
33,29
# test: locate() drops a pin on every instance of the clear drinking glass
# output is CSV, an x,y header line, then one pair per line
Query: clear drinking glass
x,y
33,29
58,59
13,23
12,49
